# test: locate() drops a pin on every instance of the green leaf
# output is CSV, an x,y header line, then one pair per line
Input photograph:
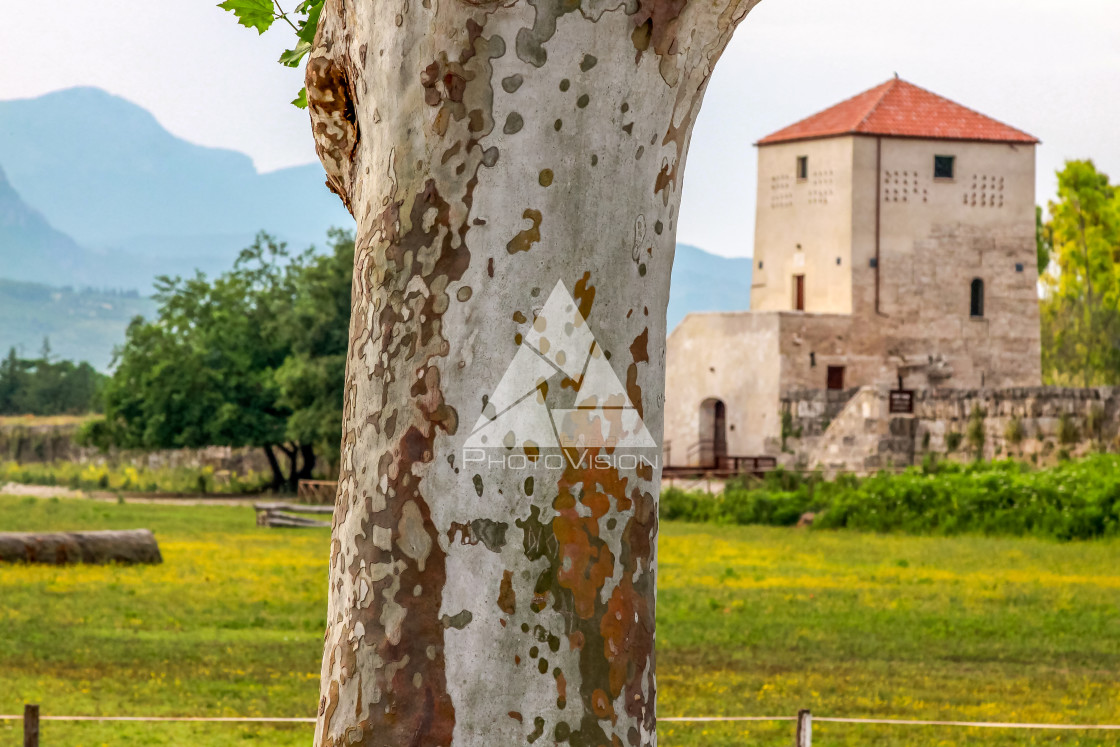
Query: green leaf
x,y
292,57
301,100
254,14
313,9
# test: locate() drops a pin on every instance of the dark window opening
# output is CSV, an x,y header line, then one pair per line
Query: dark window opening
x,y
798,292
835,377
803,167
943,167
976,307
760,264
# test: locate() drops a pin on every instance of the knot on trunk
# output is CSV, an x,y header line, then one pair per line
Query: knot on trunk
x,y
330,100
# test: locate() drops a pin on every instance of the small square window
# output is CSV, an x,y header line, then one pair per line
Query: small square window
x,y
943,167
1018,267
803,167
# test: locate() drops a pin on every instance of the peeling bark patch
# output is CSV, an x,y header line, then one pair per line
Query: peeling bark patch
x,y
524,241
614,638
530,42
584,293
511,83
490,533
657,21
513,124
545,178
538,729
507,599
638,354
589,61
457,621
413,538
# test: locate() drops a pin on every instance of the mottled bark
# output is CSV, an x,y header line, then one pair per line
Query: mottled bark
x,y
487,151
61,548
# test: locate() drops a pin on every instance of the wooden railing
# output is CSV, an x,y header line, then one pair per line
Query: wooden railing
x,y
317,492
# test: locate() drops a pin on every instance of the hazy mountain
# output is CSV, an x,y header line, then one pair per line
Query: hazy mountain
x,y
82,325
101,196
103,170
32,249
707,282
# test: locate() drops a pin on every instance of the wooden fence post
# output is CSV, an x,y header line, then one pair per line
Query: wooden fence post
x,y
804,728
31,725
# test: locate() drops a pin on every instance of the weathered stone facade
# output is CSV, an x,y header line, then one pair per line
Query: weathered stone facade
x,y
872,268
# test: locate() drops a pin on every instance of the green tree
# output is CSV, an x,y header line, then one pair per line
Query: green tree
x,y
41,387
1044,241
240,360
1081,307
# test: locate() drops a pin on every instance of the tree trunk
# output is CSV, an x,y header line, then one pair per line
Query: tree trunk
x,y
307,463
515,173
60,548
274,465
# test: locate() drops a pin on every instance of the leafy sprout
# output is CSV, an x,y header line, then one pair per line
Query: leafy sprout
x,y
303,20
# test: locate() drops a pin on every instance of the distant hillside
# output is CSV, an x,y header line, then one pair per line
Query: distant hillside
x,y
81,325
707,282
30,248
103,171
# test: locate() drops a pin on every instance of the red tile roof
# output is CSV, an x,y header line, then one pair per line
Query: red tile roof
x,y
900,109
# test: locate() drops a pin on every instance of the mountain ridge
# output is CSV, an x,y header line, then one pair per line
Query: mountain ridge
x,y
113,173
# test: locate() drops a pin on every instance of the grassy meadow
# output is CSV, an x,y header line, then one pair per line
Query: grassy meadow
x,y
751,621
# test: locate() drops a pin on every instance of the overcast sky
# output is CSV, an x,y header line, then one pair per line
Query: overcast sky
x,y
1050,68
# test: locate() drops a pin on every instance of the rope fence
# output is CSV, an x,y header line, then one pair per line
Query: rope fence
x,y
804,736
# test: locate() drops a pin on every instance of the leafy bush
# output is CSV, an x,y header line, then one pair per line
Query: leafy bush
x,y
132,479
1074,500
1068,432
1014,433
975,432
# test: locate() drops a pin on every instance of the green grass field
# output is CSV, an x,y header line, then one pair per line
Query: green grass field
x,y
751,621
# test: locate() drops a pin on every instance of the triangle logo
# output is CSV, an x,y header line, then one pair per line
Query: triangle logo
x,y
559,391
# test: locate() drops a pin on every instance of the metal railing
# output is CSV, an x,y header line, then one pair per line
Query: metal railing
x,y
803,735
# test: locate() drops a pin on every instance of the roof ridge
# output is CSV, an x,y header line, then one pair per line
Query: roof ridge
x,y
890,84
899,108
970,110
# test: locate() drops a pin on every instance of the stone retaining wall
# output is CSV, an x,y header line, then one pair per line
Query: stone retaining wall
x,y
1038,424
30,444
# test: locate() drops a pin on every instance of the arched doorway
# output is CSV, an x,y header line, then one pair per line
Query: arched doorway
x,y
711,447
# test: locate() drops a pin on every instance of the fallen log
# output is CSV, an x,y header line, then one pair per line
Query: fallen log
x,y
60,548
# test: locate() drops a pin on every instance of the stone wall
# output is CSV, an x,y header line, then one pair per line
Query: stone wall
x,y
1036,424
29,444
